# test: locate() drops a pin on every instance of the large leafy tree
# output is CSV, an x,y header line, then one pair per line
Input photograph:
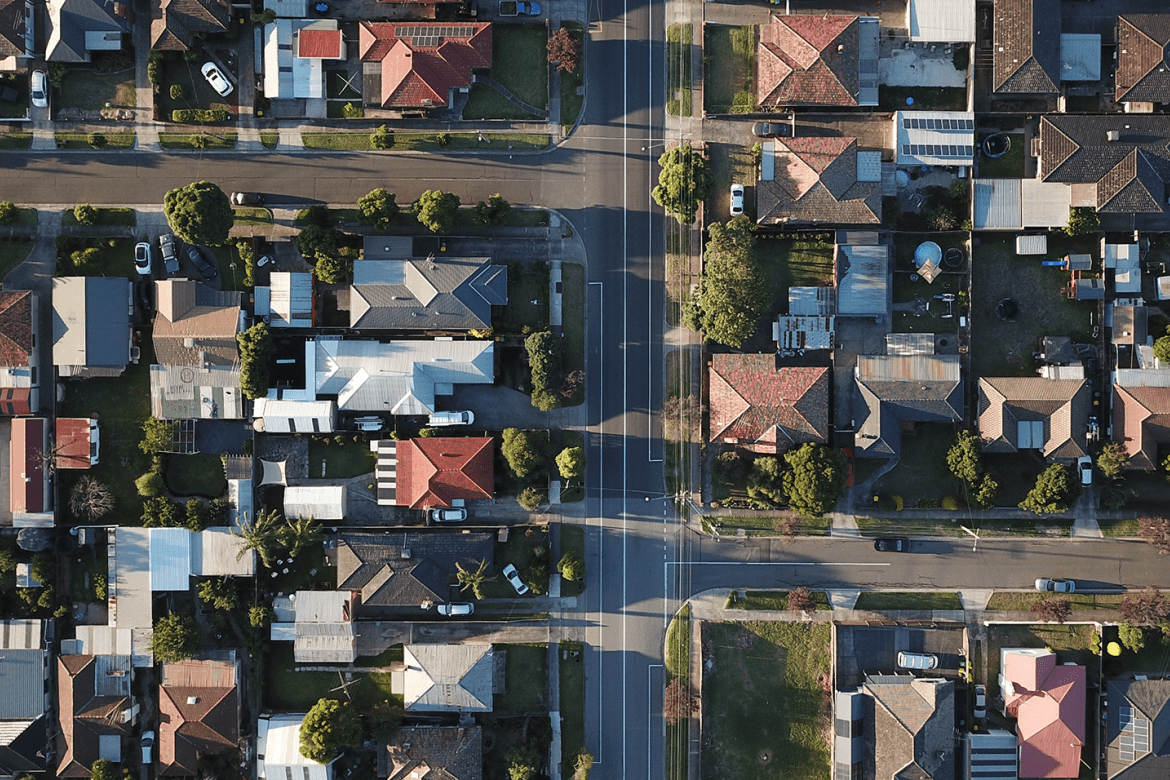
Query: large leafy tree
x,y
1052,492
1112,459
964,460
436,210
564,48
1162,349
199,213
328,729
815,479
524,450
732,293
255,350
571,462
684,182
175,638
378,209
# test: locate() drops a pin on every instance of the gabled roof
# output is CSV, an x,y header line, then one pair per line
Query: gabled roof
x,y
176,23
16,322
892,389
1131,186
1048,702
432,753
912,733
447,678
1026,46
91,325
71,22
85,716
435,471
28,477
199,714
402,570
423,61
815,180
12,27
196,324
449,293
1060,407
764,408
1137,730
1141,422
1143,58
809,59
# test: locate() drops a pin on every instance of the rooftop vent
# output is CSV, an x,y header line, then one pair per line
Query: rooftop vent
x,y
405,554
192,699
1113,135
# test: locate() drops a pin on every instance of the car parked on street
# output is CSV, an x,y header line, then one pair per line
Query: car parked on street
x,y
771,130
980,702
200,262
1046,585
513,578
528,8
455,610
166,243
457,515
216,79
247,199
891,544
38,89
736,199
142,258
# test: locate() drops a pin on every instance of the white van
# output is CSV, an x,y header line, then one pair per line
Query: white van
x,y
442,419
369,423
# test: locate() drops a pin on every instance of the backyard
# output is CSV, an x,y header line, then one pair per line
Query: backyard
x,y
200,474
339,457
730,63
288,690
520,64
766,701
1009,166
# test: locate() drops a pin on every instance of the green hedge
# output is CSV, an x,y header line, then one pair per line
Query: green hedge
x,y
199,115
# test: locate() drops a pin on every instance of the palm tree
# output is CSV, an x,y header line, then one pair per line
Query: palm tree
x,y
261,535
299,534
472,579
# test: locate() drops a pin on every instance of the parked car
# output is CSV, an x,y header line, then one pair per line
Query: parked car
x,y
453,610
38,89
247,199
527,7
917,661
1085,468
736,199
147,745
166,243
142,258
216,79
456,515
144,292
369,423
1046,585
891,544
442,419
771,129
200,262
513,578
980,702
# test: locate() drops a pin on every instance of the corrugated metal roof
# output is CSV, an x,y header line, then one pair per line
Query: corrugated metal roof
x,y
908,368
1032,245
215,552
131,591
941,21
194,393
934,138
21,634
262,305
1143,377
862,291
322,606
768,162
803,332
22,678
103,640
292,300
322,502
278,751
170,559
812,300
992,755
1080,57
240,494
997,204
281,416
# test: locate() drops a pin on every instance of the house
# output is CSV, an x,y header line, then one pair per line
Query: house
x,y
177,24
319,623
991,755
1026,47
1143,61
892,392
421,64
177,554
432,753
413,293
764,408
1141,414
199,714
196,325
895,726
1035,413
77,28
91,326
30,478
287,301
1047,700
396,572
816,59
278,750
77,443
16,35
434,472
1137,729
95,711
819,180
1019,204
941,21
448,678
945,138
320,500
24,707
19,313
295,54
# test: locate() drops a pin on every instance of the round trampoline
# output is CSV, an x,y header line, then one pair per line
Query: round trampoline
x,y
1006,310
927,252
953,257
996,145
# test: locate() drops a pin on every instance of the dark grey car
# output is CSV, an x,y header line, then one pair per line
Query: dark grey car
x,y
200,263
771,129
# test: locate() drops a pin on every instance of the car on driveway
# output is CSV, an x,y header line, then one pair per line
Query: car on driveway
x,y
1046,585
980,702
200,262
891,544
528,8
455,610
247,199
1085,469
771,129
448,515
38,89
142,258
147,746
513,578
917,661
736,199
166,243
216,79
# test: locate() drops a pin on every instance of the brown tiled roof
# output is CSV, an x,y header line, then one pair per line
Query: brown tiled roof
x,y
83,716
195,324
1026,46
175,23
815,180
198,714
420,65
765,408
1141,422
808,59
433,753
402,570
16,325
73,443
1061,404
1130,172
323,44
1143,58
12,28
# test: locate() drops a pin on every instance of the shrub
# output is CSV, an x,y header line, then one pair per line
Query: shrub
x,y
353,111
927,502
899,503
382,138
96,140
949,503
530,498
800,600
85,214
1054,608
199,116
149,484
8,212
178,92
571,567
154,70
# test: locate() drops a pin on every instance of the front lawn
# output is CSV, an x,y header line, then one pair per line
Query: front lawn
x,y
196,92
730,164
339,457
525,285
1071,644
289,690
888,600
18,107
922,471
774,600
1154,657
1009,166
678,69
115,257
1006,600
428,142
525,680
86,89
521,551
116,140
200,474
520,65
730,57
13,252
15,140
252,217
767,695
206,139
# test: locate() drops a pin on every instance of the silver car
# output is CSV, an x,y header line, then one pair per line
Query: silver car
x,y
166,243
917,661
1046,585
216,79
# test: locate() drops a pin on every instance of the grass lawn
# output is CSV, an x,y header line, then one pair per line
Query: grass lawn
x,y
776,600
18,108
1149,490
925,98
908,600
520,64
731,164
521,551
1009,166
571,667
678,66
524,286
1111,527
115,257
206,140
390,655
1154,657
768,691
115,140
355,141
342,460
573,324
572,540
13,252
573,81
525,680
105,217
730,54
764,525
922,471
252,216
1078,601
200,474
678,644
287,690
91,563
270,138
1071,644
83,88
15,140
1005,348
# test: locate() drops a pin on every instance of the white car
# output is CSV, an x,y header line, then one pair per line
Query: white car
x,y
455,610
1046,585
513,578
216,79
443,419
38,89
1085,467
917,661
142,258
147,745
448,515
980,702
736,199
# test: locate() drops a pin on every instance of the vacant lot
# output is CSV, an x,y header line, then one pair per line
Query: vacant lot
x,y
766,701
729,85
520,64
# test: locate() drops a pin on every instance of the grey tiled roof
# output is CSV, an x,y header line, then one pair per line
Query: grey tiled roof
x,y
1127,756
1143,64
424,294
1130,171
12,28
893,389
375,565
1026,46
911,735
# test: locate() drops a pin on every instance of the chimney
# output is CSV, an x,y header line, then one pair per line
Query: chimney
x,y
1113,135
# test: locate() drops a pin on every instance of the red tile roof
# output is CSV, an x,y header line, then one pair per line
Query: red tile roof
x,y
1141,421
27,473
84,717
810,59
16,327
72,443
14,401
199,714
319,44
433,472
765,409
1048,702
424,61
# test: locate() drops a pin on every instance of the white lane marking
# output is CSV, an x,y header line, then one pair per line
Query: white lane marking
x,y
772,563
600,536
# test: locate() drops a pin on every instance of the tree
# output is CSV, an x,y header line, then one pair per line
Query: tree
x,y
523,763
530,498
582,765
150,484
1053,608
160,512
473,579
964,459
571,462
378,209
328,729
766,481
199,213
260,617
1082,220
987,495
523,450
218,511
1162,349
157,436
677,703
90,500
9,213
85,214
7,562
103,769
571,567
44,568
800,600
261,535
261,18
494,212
316,240
1052,491
733,295
1132,637
299,534
332,269
175,638
681,416
382,138
815,479
1156,531
196,512
1147,608
536,578
564,49
220,593
544,360
1112,459
255,351
684,182
436,210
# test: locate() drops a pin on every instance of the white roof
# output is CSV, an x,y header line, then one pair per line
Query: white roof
x,y
130,590
321,502
1163,288
941,21
278,751
101,640
1044,203
1080,57
170,559
215,552
322,606
447,678
281,416
1032,245
1127,272
285,74
935,137
291,300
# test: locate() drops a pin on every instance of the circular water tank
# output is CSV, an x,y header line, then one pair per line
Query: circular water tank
x,y
927,251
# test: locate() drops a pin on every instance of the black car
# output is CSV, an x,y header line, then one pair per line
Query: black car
x,y
771,130
201,264
891,544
